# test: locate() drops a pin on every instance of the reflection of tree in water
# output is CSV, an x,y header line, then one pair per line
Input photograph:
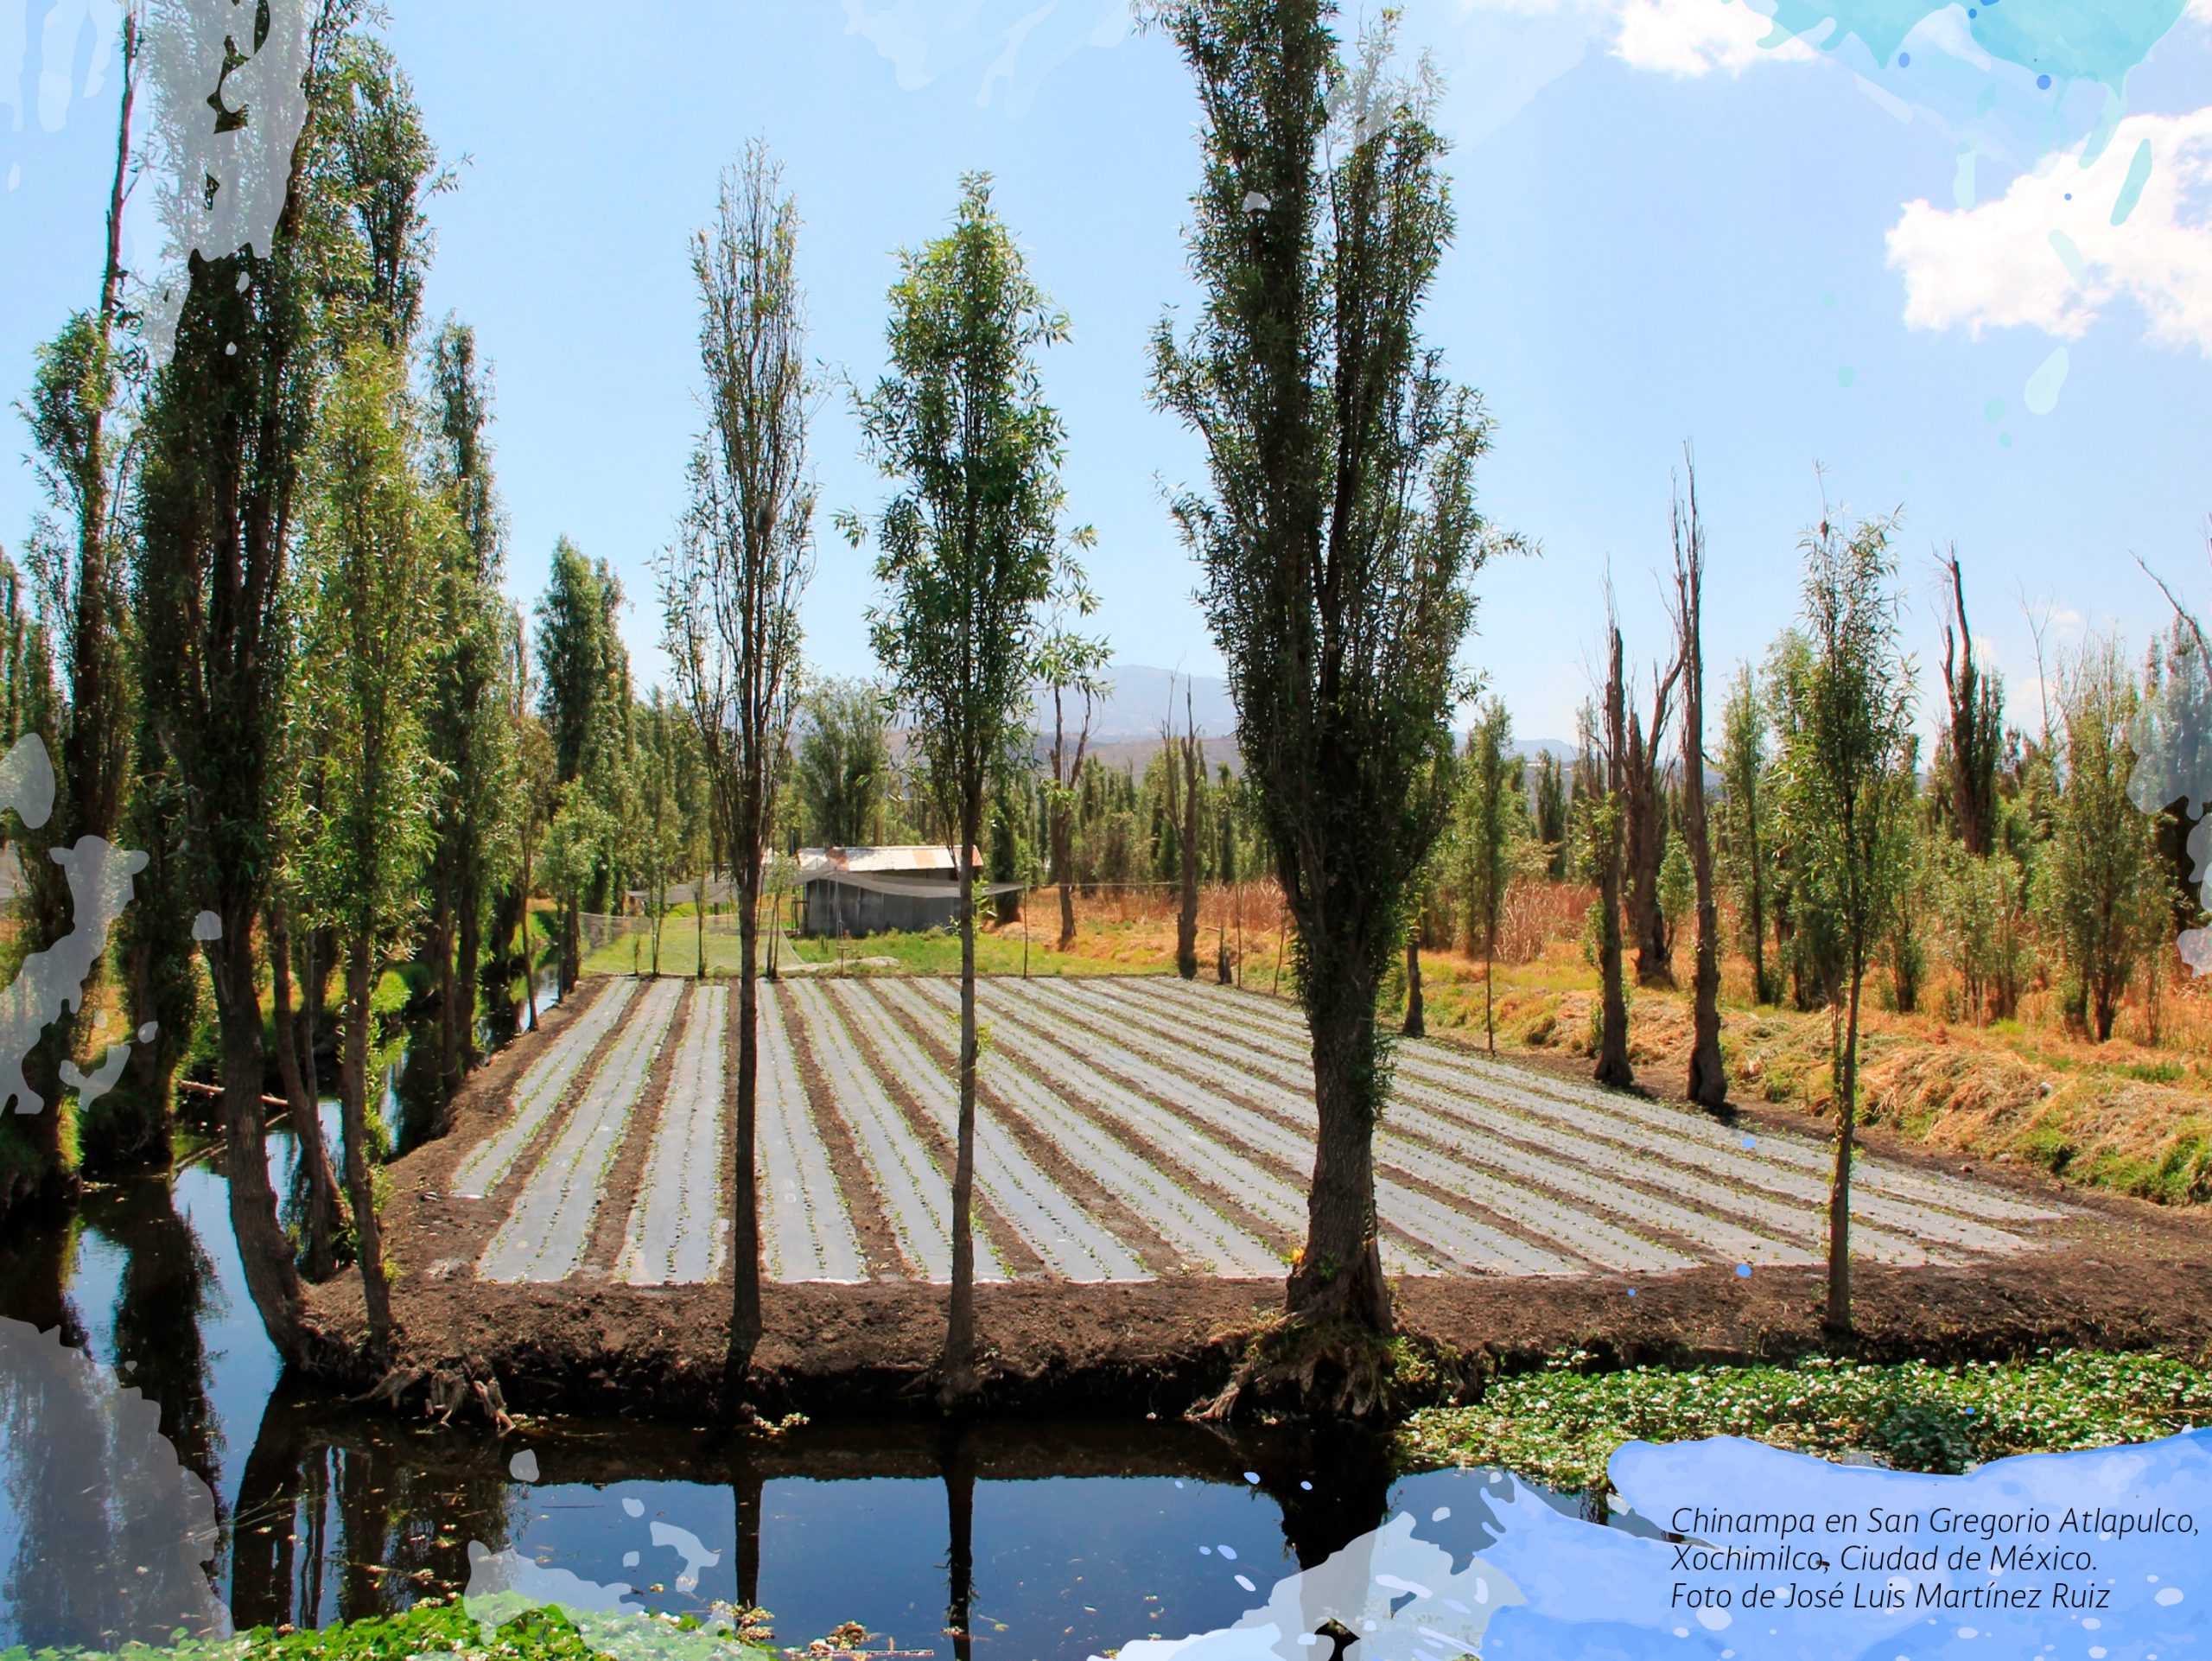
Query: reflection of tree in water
x,y
169,1286
36,1258
960,1558
113,1533
400,1506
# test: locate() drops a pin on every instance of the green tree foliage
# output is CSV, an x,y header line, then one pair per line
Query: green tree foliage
x,y
470,718
583,697
1071,665
968,550
1493,824
1847,742
1340,531
1987,938
730,596
2105,895
229,424
1973,735
1549,810
83,451
1746,842
843,765
376,538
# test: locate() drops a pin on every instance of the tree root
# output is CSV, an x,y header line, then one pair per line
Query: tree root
x,y
1339,1369
444,1391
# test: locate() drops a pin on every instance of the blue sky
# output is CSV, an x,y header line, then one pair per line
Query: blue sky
x,y
1667,231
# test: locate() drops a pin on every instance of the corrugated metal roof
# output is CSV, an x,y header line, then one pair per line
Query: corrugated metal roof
x,y
870,861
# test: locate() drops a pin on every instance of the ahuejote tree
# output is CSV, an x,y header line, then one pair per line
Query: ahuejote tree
x,y
583,697
731,596
1849,738
968,552
376,535
1746,853
1071,665
229,424
1493,824
2102,890
1338,534
842,767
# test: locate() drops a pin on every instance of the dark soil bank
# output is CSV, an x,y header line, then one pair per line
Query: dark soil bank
x,y
2124,1274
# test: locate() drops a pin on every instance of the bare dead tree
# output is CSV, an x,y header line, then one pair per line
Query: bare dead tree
x,y
1708,1083
1644,785
1975,697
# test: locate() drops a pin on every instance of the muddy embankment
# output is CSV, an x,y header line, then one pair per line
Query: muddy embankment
x,y
2126,1274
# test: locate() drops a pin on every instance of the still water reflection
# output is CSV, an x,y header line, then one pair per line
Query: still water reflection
x,y
1027,1538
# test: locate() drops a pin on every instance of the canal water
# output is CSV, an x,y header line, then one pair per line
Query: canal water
x,y
1022,1538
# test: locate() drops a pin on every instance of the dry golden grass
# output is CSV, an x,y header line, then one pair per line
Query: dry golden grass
x,y
2131,1114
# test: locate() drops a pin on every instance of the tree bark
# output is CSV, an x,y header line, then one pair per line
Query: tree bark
x,y
471,949
1339,1276
745,1227
353,1097
1187,916
1415,1025
959,1380
1645,837
1062,842
1837,1320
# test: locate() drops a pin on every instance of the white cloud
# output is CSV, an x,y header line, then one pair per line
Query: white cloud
x,y
1694,37
2034,258
1686,38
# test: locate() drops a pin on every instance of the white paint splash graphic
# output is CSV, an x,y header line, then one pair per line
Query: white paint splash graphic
x,y
100,878
112,1535
222,177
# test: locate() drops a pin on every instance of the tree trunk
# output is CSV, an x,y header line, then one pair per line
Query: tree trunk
x,y
1708,1082
439,942
1416,1024
352,1096
264,1250
323,1205
1339,1276
959,1380
1613,1066
1063,842
745,1225
470,946
1186,919
1838,1317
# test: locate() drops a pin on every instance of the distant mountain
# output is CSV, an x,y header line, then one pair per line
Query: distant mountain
x,y
1139,704
1563,753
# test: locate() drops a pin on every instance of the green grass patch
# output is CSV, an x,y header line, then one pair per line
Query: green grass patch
x,y
1560,1426
934,952
436,1628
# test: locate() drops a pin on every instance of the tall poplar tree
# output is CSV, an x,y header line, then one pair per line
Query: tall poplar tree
x,y
968,552
229,424
1849,736
731,599
376,537
1339,533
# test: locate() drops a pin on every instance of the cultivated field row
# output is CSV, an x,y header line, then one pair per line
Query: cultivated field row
x,y
1127,1129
